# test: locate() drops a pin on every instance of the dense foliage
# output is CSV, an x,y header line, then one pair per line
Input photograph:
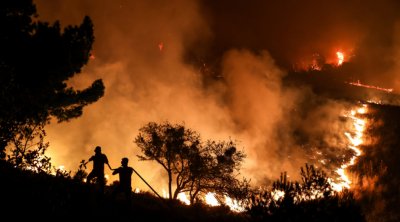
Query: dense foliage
x,y
196,167
311,199
36,61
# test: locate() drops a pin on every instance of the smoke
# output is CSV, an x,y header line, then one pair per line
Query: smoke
x,y
141,53
395,70
143,83
257,104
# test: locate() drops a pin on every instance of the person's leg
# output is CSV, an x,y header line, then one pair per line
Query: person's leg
x,y
116,191
102,182
128,195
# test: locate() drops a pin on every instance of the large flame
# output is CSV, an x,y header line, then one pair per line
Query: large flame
x,y
340,57
211,200
182,197
355,139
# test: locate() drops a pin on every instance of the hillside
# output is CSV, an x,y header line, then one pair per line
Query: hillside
x,y
33,196
377,168
27,195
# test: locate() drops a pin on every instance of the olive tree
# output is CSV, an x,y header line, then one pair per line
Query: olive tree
x,y
197,167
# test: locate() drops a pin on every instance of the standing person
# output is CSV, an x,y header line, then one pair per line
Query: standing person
x,y
99,159
125,176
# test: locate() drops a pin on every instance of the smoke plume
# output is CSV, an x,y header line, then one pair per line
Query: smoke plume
x,y
145,50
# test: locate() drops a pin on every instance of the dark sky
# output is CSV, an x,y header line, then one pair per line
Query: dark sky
x,y
290,28
292,31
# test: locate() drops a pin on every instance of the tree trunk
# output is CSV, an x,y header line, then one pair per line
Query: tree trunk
x,y
193,196
170,183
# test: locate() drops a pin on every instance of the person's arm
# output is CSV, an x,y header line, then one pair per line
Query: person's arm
x,y
110,167
116,171
106,161
90,159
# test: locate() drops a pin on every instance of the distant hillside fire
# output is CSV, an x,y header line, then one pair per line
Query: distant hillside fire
x,y
340,57
318,61
358,83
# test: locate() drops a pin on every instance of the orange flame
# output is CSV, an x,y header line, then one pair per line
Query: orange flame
x,y
211,200
340,57
358,83
182,197
355,139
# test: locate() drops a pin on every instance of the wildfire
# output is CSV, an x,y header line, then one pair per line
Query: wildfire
x,y
234,205
278,194
358,83
165,194
211,200
340,57
62,167
182,197
355,139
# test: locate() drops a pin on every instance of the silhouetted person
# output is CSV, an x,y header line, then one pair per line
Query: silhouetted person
x,y
125,176
99,159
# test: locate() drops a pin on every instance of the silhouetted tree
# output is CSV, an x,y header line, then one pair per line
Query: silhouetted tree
x,y
196,167
36,61
169,145
215,169
81,174
314,183
29,147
